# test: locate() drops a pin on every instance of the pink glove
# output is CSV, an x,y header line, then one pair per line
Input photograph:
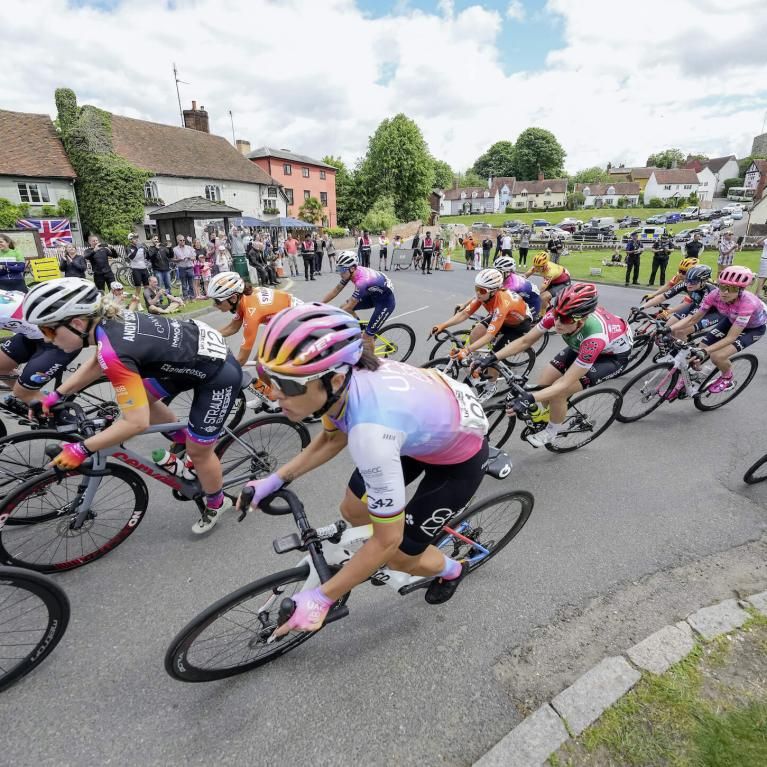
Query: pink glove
x,y
51,399
309,615
264,487
71,456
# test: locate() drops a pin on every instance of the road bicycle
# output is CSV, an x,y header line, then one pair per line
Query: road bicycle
x,y
460,339
233,635
757,472
395,341
34,613
59,520
685,373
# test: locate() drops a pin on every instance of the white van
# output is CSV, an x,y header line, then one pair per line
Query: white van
x,y
603,223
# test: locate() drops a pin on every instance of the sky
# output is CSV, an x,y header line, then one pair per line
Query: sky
x,y
613,80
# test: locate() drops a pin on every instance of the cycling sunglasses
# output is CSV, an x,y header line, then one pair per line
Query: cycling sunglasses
x,y
728,288
482,291
290,387
565,319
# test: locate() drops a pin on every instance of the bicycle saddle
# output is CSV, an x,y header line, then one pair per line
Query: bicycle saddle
x,y
246,379
498,464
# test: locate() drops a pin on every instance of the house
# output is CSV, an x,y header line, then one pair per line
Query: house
x,y
621,173
707,185
642,176
540,194
670,184
502,189
757,219
468,199
607,195
723,168
755,179
34,168
302,177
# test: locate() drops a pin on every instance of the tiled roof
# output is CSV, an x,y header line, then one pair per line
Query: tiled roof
x,y
197,205
557,186
455,194
30,147
676,176
167,150
642,173
761,166
620,187
283,154
500,181
717,163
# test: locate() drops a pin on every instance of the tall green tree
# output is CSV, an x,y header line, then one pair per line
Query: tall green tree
x,y
381,217
538,151
311,211
665,159
593,175
443,175
398,164
498,160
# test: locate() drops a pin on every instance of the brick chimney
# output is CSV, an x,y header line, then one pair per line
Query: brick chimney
x,y
196,119
540,175
243,147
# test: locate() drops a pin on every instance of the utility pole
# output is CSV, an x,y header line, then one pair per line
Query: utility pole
x,y
231,118
178,95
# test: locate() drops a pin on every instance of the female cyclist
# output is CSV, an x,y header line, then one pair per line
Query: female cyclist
x,y
518,284
399,423
555,278
176,355
684,265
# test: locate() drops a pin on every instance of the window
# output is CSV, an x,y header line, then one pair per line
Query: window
x,y
463,195
610,190
688,186
287,169
289,193
486,194
473,195
305,172
307,194
272,191
213,192
586,191
324,199
548,193
667,187
34,192
546,203
322,175
268,204
150,191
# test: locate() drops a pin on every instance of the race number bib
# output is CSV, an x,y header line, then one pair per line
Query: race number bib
x,y
472,416
210,343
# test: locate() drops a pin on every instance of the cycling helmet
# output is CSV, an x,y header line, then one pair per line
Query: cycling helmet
x,y
56,301
687,263
117,285
345,260
489,279
699,273
505,264
739,276
577,300
541,259
310,340
224,285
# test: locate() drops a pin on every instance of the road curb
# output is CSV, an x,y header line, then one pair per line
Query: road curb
x,y
543,732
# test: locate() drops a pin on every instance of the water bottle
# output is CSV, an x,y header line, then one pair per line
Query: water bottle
x,y
167,461
539,413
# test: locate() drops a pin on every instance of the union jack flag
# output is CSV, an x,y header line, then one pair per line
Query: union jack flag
x,y
54,232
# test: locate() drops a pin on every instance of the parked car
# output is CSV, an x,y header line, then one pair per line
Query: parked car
x,y
480,225
595,234
722,223
511,224
568,226
673,218
658,218
541,222
557,232
690,213
736,214
706,215
627,221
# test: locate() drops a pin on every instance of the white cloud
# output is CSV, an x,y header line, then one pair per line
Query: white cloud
x,y
688,73
515,11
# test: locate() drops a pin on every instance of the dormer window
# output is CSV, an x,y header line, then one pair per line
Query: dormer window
x,y
586,191
610,190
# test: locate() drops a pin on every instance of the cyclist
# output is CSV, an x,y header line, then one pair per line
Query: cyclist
x,y
372,290
555,278
743,320
146,358
518,284
399,423
598,346
684,265
44,361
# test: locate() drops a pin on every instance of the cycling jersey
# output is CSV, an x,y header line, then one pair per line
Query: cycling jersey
x,y
11,316
504,308
259,307
399,410
369,283
516,283
693,297
747,311
601,333
553,274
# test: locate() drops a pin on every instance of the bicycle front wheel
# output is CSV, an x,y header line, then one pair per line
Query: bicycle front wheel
x,y
34,613
500,425
743,370
463,334
230,637
757,472
490,524
640,351
647,391
588,415
394,342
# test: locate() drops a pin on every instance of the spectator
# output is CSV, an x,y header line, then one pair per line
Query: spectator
x,y
307,253
204,269
727,248
364,248
236,243
428,253
72,264
383,250
319,244
498,244
554,246
117,291
256,260
158,300
487,246
291,254
331,253
160,257
694,247
524,246
468,246
223,259
416,247
184,258
137,259
506,245
661,250
762,276
12,266
633,254
197,268
99,254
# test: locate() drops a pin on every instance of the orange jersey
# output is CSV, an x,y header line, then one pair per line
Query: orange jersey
x,y
504,308
259,307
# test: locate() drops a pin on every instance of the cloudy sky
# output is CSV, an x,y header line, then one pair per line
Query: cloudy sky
x,y
614,80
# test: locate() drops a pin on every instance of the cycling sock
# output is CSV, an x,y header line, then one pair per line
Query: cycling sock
x,y
554,428
451,570
215,500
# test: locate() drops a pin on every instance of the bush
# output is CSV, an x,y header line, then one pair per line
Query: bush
x,y
48,210
335,231
381,217
656,202
623,202
9,214
509,208
66,209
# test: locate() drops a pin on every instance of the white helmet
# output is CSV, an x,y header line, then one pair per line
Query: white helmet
x,y
345,260
490,279
224,285
117,285
505,264
58,300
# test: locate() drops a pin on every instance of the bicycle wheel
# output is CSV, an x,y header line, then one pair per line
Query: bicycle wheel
x,y
98,400
125,275
37,532
757,472
492,523
463,333
647,390
501,425
588,415
640,351
269,442
743,370
542,344
230,637
395,342
182,403
3,430
34,613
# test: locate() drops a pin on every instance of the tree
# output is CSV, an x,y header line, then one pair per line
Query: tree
x,y
704,158
470,178
443,175
665,159
345,211
311,211
537,150
575,200
594,175
381,217
497,161
9,214
398,164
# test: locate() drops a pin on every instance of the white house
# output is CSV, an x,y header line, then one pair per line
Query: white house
x,y
756,179
607,195
671,184
707,184
722,169
468,199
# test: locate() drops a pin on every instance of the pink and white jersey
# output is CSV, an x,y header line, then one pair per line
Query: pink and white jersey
x,y
747,311
368,282
11,317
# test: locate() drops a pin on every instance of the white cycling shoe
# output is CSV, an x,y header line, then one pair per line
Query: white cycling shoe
x,y
543,437
210,517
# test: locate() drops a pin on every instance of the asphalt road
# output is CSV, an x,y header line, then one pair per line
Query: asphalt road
x,y
398,682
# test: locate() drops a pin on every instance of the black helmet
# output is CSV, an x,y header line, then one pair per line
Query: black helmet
x,y
700,273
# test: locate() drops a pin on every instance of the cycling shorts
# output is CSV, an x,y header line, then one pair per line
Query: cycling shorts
x,y
382,306
605,367
443,492
213,398
44,360
140,277
746,338
509,333
555,290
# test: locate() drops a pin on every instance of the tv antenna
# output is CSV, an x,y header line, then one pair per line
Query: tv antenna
x,y
178,95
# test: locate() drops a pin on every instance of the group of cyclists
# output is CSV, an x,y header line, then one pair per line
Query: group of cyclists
x,y
401,424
